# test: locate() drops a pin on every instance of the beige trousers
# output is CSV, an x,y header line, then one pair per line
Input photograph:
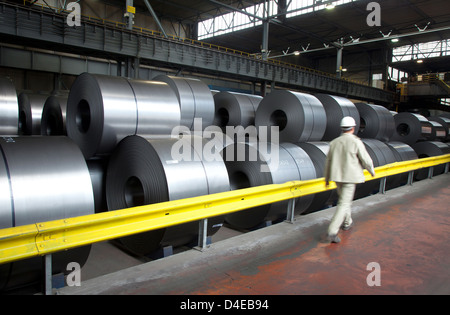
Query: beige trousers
x,y
343,215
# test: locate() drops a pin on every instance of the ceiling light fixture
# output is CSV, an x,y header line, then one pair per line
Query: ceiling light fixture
x,y
395,40
330,6
420,61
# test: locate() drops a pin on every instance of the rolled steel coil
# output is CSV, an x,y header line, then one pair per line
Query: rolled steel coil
x,y
300,117
376,122
102,110
194,97
255,164
318,151
53,120
410,128
426,149
9,108
402,152
445,122
41,179
30,113
336,108
438,132
142,171
235,109
97,171
381,155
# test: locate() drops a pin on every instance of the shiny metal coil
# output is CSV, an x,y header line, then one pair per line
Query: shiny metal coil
x,y
336,108
194,97
41,179
381,155
255,164
410,128
235,109
53,120
438,132
30,112
142,171
9,108
300,117
402,152
318,152
426,149
376,122
102,110
445,122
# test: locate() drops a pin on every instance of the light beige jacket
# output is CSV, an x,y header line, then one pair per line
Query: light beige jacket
x,y
346,160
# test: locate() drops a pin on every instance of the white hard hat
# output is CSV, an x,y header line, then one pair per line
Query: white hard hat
x,y
348,122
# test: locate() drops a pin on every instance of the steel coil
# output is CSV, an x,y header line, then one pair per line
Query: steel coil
x,y
53,120
142,171
235,109
44,179
97,171
445,122
438,132
9,108
426,149
381,155
336,108
318,151
255,164
194,97
402,152
410,128
376,122
300,117
102,110
30,112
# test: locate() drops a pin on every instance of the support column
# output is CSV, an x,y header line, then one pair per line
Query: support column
x,y
339,59
129,14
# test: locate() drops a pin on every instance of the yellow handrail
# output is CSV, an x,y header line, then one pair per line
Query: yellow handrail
x,y
49,237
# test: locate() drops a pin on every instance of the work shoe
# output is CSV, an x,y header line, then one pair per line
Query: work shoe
x,y
348,227
334,239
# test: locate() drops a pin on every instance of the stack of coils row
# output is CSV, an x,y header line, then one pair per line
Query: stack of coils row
x,y
117,120
426,136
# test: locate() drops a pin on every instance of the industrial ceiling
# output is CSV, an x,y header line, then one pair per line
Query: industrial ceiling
x,y
416,20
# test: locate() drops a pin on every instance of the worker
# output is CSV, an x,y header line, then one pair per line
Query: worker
x,y
346,159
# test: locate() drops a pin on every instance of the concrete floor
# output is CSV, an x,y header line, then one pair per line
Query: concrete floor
x,y
406,232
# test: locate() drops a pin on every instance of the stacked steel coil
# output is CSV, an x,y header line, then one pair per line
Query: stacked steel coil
x,y
102,110
426,149
30,112
9,108
410,128
376,122
41,179
255,164
194,97
402,152
318,152
381,155
445,122
300,117
336,108
235,109
53,120
142,171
